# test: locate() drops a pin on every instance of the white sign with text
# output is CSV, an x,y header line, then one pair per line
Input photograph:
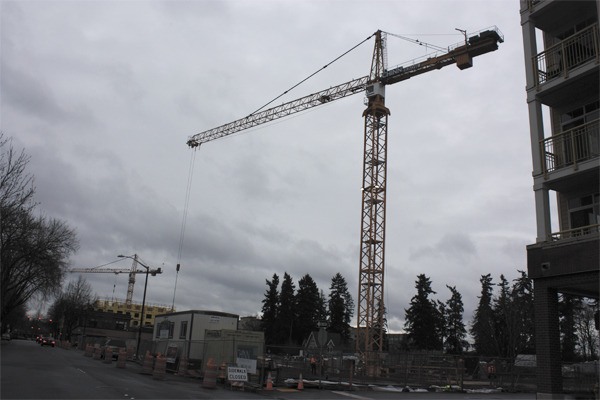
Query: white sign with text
x,y
236,374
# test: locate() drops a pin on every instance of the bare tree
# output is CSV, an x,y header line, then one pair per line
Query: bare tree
x,y
33,250
588,335
71,305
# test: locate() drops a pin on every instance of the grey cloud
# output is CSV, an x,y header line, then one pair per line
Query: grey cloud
x,y
456,247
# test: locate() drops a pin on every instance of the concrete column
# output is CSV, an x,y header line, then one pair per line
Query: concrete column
x,y
542,212
529,48
547,335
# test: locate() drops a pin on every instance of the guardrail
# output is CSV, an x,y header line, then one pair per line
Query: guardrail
x,y
571,147
563,57
576,232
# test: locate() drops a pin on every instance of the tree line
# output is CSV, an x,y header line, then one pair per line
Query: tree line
x,y
502,324
290,315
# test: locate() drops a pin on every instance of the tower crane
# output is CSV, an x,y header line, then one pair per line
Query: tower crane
x,y
370,307
131,272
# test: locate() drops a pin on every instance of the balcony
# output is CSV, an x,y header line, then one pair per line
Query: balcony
x,y
575,233
570,147
562,58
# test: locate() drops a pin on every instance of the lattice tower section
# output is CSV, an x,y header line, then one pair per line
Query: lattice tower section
x,y
371,308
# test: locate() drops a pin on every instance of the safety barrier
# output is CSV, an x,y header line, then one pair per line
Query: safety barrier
x,y
97,353
107,355
130,352
122,360
89,350
148,365
210,375
160,367
269,382
182,368
300,383
222,376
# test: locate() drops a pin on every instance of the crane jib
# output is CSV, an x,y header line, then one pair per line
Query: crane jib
x,y
325,96
480,43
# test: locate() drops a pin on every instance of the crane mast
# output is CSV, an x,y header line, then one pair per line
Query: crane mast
x,y
370,305
370,309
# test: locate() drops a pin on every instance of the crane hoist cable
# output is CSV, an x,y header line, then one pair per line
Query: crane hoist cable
x,y
186,206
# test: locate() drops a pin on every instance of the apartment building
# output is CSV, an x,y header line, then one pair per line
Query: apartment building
x,y
560,40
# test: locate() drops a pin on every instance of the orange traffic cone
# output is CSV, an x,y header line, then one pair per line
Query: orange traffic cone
x,y
269,382
300,383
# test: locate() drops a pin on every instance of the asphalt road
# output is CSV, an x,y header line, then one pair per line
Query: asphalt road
x,y
30,371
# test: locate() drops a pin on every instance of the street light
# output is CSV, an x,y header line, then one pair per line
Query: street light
x,y
153,273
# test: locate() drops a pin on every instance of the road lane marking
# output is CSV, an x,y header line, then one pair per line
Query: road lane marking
x,y
354,396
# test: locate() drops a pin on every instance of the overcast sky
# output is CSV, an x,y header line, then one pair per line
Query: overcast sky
x,y
103,96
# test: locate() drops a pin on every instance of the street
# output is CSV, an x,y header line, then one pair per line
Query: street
x,y
30,371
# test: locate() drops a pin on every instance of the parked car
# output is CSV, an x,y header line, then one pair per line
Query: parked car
x,y
6,336
46,341
115,345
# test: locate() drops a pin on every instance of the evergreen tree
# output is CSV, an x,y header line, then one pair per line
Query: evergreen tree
x,y
523,338
504,323
442,332
377,327
287,310
423,317
308,302
482,327
568,306
341,307
455,328
321,310
270,310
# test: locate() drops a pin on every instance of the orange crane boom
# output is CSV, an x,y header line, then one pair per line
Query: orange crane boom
x,y
370,305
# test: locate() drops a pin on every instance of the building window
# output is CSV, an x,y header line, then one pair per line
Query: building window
x,y
584,211
579,116
136,315
183,330
148,316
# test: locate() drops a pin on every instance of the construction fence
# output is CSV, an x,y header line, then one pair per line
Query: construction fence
x,y
329,367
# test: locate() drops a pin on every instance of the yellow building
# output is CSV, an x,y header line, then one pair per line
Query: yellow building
x,y
133,310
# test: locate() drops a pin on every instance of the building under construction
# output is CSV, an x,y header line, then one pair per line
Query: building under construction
x,y
132,310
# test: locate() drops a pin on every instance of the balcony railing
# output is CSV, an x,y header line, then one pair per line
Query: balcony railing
x,y
563,57
570,147
574,233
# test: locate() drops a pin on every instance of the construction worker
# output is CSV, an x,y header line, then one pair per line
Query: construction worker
x,y
313,365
